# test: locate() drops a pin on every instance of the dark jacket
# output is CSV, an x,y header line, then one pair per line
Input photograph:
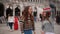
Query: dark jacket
x,y
17,11
9,11
35,13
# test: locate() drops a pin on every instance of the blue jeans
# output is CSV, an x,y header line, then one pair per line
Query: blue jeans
x,y
28,31
34,18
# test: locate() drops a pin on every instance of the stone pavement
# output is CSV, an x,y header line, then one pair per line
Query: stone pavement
x,y
57,29
4,29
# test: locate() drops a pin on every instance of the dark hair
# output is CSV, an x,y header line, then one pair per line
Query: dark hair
x,y
25,12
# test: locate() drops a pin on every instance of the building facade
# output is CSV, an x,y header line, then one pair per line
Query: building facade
x,y
22,3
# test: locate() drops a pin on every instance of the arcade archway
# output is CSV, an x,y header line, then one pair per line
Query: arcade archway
x,y
1,9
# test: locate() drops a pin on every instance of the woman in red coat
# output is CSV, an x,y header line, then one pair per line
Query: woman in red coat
x,y
15,23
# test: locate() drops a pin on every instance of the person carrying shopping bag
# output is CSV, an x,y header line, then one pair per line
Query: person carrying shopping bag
x,y
28,21
10,21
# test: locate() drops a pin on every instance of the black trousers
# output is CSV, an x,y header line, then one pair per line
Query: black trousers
x,y
10,25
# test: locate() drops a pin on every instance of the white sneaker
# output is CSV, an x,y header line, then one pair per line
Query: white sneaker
x,y
11,30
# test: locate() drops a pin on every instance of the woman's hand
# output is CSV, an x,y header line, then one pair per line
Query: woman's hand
x,y
42,32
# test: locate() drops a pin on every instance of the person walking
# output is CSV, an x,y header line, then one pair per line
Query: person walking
x,y
40,16
10,21
47,26
35,14
28,21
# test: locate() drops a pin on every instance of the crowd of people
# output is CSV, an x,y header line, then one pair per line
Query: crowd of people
x,y
27,22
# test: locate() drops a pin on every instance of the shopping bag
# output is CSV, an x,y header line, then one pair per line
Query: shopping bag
x,y
15,26
15,23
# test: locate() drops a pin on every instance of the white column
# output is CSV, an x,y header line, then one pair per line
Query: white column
x,y
21,8
5,10
13,9
30,0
